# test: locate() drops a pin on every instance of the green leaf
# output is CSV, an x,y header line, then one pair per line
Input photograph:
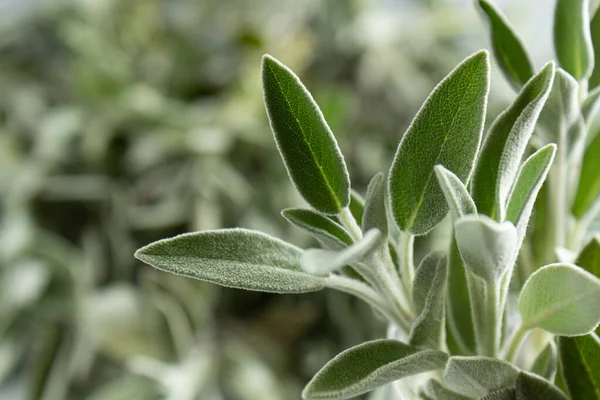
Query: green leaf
x,y
580,358
502,394
457,195
509,50
487,247
436,391
374,214
532,387
428,298
329,233
595,33
562,299
501,153
588,190
546,363
369,365
479,376
591,104
236,258
309,149
322,262
572,38
357,205
562,110
589,257
531,177
447,130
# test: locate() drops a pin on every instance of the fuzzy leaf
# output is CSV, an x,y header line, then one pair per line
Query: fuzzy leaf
x,y
486,246
509,50
588,191
562,299
309,149
428,298
532,387
546,362
501,153
436,391
580,358
447,130
591,104
479,376
595,33
589,257
502,394
374,214
357,205
236,258
572,38
369,365
457,195
322,262
329,233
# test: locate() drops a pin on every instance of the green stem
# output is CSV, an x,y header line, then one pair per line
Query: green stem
x,y
407,268
347,220
509,352
494,315
487,315
389,283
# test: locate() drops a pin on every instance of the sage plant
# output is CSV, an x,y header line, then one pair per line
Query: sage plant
x,y
452,315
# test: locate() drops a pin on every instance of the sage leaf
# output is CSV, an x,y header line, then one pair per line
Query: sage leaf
x,y
329,233
429,287
562,299
457,195
487,247
434,390
374,214
479,376
531,177
580,359
591,104
322,262
546,363
532,387
589,257
369,365
509,50
357,205
502,394
236,258
588,190
309,150
447,130
501,153
595,33
572,38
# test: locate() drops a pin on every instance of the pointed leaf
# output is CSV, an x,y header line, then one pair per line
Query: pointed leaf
x,y
479,376
236,258
572,38
532,387
509,50
369,365
589,257
436,391
562,109
357,205
374,214
562,299
595,33
580,358
309,149
329,233
447,130
588,191
546,362
501,153
457,195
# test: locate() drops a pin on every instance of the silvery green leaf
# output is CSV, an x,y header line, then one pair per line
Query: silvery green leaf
x,y
369,365
457,196
588,191
561,110
236,258
580,360
479,376
572,38
487,247
501,153
532,387
591,105
546,362
309,149
531,177
595,33
502,394
329,233
562,299
429,288
357,205
434,390
447,130
589,257
374,214
323,262
509,50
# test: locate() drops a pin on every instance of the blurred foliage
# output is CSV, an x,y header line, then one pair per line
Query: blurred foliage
x,y
122,122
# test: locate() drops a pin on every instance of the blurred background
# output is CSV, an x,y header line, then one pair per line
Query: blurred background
x,y
124,122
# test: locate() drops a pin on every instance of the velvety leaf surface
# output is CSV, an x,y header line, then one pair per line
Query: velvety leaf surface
x,y
357,205
374,214
532,387
591,104
588,190
589,257
479,376
580,357
572,38
307,145
562,299
457,196
447,130
369,365
329,233
236,258
546,363
436,391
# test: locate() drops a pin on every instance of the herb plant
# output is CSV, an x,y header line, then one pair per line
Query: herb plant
x,y
516,296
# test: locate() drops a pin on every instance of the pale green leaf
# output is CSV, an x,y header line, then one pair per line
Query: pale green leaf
x,y
595,34
447,130
434,390
374,214
307,145
572,38
505,144
588,190
357,205
589,257
457,195
546,362
329,233
479,376
369,365
580,359
236,258
591,104
562,299
502,394
532,387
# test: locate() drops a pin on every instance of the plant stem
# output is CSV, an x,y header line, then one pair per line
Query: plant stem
x,y
494,315
511,347
347,220
389,283
407,268
487,313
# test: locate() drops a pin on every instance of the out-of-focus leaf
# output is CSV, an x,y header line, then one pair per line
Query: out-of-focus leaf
x,y
589,257
572,38
546,362
588,190
580,360
374,215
